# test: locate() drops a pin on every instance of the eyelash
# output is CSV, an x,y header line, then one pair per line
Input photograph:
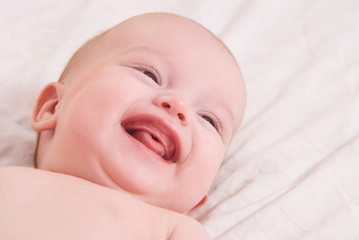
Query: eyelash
x,y
212,120
150,73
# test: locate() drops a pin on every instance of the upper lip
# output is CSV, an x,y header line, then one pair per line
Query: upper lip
x,y
159,130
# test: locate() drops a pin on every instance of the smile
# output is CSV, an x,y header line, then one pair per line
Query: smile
x,y
154,135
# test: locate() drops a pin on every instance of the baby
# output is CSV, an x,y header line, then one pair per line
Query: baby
x,y
132,136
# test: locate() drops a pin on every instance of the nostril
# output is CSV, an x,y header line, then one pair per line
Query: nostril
x,y
181,116
174,105
166,105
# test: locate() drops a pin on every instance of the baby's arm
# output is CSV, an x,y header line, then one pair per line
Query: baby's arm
x,y
37,204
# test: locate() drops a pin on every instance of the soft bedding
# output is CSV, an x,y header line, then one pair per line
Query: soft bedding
x,y
292,170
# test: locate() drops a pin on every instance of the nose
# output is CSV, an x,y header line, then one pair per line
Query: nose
x,y
175,105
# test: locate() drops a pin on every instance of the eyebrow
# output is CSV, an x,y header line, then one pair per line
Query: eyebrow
x,y
145,52
141,49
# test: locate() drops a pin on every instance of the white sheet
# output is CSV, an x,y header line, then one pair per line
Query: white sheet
x,y
292,170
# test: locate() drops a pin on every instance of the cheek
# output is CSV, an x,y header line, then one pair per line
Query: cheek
x,y
85,114
207,158
99,101
210,148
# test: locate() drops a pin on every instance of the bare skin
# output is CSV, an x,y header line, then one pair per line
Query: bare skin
x,y
89,211
131,138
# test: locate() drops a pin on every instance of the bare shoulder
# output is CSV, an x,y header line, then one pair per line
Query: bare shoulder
x,y
69,208
186,227
27,183
46,195
9,171
25,179
14,176
19,174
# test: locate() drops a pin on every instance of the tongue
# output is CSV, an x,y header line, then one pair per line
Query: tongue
x,y
146,139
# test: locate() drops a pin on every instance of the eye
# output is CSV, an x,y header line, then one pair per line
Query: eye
x,y
150,75
211,120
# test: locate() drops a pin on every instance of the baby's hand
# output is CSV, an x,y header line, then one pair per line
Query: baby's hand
x,y
36,204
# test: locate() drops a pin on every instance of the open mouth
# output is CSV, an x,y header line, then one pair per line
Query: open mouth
x,y
156,138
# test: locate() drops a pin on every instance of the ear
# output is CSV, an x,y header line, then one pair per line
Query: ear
x,y
195,208
44,115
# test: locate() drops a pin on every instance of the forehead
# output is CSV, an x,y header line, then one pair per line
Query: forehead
x,y
192,52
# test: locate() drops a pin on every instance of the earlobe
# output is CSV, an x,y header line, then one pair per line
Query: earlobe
x,y
44,116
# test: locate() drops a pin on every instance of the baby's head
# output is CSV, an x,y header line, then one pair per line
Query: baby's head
x,y
148,107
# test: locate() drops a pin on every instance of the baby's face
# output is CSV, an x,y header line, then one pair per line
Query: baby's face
x,y
152,112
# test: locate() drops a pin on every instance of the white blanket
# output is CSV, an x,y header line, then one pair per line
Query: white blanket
x,y
292,171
